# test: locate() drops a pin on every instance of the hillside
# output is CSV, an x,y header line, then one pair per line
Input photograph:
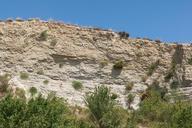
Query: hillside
x,y
52,56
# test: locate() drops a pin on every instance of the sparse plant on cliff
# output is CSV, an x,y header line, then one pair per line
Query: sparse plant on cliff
x,y
24,75
33,91
43,36
4,82
53,42
118,65
171,72
114,96
130,99
19,92
46,82
103,63
77,85
40,72
153,67
129,86
190,61
123,35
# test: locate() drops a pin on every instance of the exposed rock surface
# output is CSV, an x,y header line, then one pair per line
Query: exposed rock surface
x,y
86,54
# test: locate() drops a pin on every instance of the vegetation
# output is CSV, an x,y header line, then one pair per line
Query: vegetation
x,y
118,65
40,72
46,81
114,96
103,110
43,36
103,63
129,86
123,35
171,72
53,42
4,83
153,67
190,61
130,99
24,75
20,93
51,112
33,91
77,85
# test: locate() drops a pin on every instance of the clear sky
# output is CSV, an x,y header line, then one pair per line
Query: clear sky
x,y
168,20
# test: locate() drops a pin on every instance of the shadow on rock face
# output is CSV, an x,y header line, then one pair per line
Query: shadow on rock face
x,y
116,72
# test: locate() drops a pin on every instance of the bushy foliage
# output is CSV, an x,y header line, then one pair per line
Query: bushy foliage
x,y
118,65
157,112
43,36
153,67
4,83
33,91
103,110
123,35
77,85
24,75
51,112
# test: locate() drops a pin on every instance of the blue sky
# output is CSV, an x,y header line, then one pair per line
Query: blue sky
x,y
168,20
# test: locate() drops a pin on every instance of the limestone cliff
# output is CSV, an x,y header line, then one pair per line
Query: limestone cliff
x,y
71,53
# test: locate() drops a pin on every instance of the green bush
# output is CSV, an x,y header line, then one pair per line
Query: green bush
x,y
38,112
43,36
123,35
40,72
114,96
4,83
77,85
103,109
24,75
33,91
153,67
46,82
174,84
190,61
19,92
129,86
118,65
130,99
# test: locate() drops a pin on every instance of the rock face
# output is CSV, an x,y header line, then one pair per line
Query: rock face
x,y
70,53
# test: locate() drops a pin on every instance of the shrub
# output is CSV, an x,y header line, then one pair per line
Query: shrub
x,y
158,41
114,96
36,113
102,109
118,65
40,72
53,42
130,99
144,78
129,86
24,75
43,36
4,83
123,35
103,63
20,93
174,84
190,61
33,91
170,72
45,81
77,85
153,67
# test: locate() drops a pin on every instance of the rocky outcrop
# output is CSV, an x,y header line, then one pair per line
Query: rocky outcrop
x,y
87,55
